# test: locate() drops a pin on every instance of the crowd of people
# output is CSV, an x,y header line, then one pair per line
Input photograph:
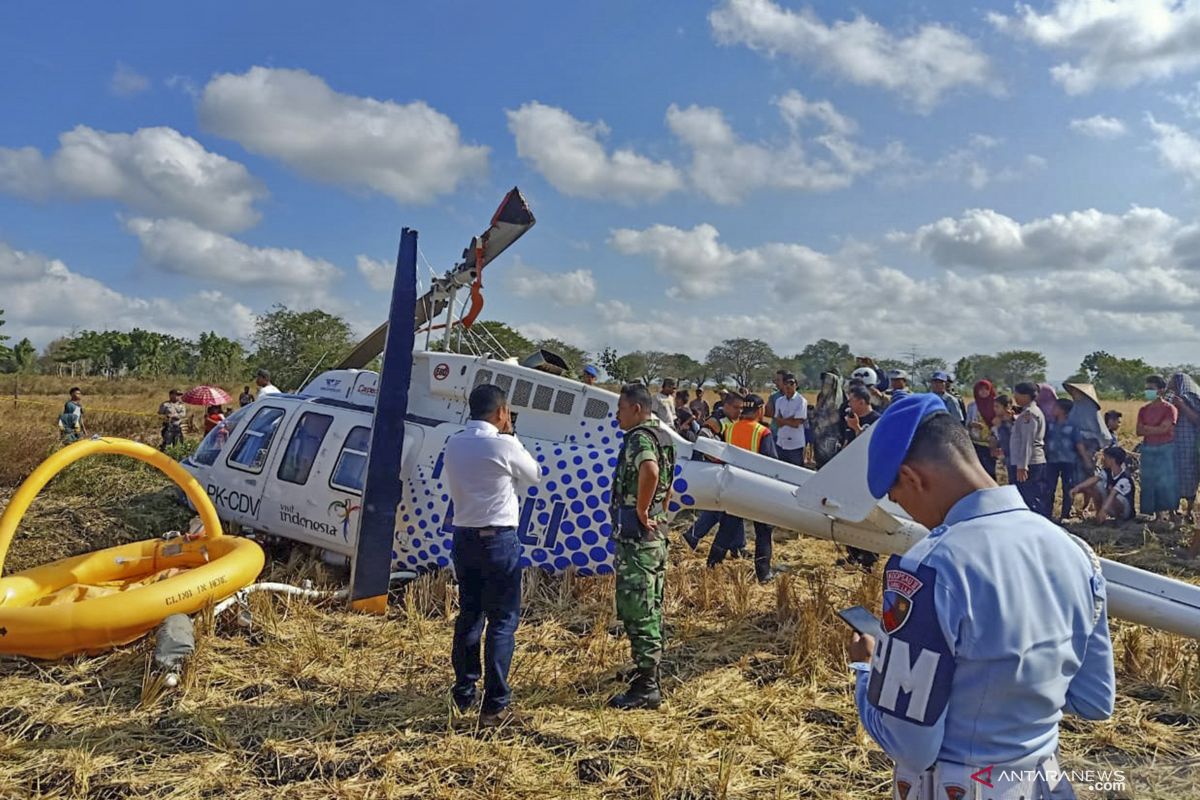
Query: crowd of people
x,y
1061,452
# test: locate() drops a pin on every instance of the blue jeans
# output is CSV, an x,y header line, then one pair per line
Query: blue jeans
x,y
1059,473
792,456
489,587
705,522
732,535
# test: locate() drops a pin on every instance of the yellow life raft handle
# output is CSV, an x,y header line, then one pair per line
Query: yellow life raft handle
x,y
56,463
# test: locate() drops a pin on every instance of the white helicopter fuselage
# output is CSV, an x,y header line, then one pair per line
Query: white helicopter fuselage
x,y
294,465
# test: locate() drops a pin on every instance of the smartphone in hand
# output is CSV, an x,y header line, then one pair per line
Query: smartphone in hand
x,y
862,620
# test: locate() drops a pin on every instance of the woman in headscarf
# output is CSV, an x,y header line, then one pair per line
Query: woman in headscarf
x,y
1089,423
981,416
1185,396
1047,399
827,418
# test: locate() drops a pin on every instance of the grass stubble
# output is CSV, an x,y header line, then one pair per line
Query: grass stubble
x,y
311,701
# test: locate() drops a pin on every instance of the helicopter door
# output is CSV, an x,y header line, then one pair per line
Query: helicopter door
x,y
246,461
296,502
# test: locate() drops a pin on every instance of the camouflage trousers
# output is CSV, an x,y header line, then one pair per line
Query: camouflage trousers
x,y
641,568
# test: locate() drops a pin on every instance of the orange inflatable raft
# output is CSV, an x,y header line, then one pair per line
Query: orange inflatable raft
x,y
96,601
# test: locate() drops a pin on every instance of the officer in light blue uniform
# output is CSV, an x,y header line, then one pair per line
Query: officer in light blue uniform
x,y
994,625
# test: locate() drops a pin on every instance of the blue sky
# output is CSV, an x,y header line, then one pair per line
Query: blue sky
x,y
955,178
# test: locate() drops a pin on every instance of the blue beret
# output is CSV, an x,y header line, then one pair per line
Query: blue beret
x,y
893,436
590,370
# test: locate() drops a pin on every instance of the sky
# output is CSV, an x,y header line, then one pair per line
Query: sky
x,y
946,178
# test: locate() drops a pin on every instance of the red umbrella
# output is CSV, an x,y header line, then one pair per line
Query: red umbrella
x,y
207,396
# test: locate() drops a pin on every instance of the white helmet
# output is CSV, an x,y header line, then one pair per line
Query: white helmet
x,y
864,374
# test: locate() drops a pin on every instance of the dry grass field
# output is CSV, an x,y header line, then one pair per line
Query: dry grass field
x,y
314,702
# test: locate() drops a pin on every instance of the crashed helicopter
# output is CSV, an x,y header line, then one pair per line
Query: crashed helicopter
x,y
295,465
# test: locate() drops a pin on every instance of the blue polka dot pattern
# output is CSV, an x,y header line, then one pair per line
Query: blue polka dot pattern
x,y
564,520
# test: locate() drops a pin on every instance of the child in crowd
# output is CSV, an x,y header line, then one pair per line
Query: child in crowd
x,y
213,416
1061,458
1111,488
1156,425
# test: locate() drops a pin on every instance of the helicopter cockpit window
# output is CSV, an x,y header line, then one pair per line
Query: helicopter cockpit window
x,y
250,452
303,447
206,454
351,465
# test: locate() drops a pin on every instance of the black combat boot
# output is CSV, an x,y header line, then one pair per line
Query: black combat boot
x,y
643,692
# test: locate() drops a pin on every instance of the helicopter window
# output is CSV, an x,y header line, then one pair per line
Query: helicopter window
x,y
564,402
504,382
206,454
250,452
483,376
542,398
595,408
303,447
352,461
521,394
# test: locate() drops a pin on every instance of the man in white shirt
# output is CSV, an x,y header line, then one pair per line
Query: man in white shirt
x,y
486,467
664,402
791,410
263,381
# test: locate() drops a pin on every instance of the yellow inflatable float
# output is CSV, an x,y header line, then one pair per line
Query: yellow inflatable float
x,y
92,602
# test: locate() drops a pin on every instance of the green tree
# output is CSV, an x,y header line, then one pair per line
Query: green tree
x,y
819,357
293,343
1005,369
611,363
686,369
748,362
964,371
1124,377
5,354
576,358
218,358
24,357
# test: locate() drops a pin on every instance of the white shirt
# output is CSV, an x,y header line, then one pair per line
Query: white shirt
x,y
485,471
263,391
663,406
789,438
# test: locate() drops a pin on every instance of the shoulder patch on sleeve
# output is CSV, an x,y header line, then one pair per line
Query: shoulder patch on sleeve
x,y
913,666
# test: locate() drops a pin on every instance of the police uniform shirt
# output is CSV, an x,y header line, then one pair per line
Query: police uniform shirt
x,y
995,624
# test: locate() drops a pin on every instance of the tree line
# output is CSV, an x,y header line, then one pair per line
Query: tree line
x,y
292,344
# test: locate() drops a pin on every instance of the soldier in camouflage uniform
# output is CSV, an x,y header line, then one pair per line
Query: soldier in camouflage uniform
x,y
641,489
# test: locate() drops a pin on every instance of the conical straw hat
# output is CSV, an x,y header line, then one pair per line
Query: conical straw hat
x,y
1086,389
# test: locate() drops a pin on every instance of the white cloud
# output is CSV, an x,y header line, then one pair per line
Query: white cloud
x,y
726,167
701,266
1114,42
1080,241
411,153
45,299
1178,150
153,170
570,155
181,248
978,163
1099,127
126,81
377,274
573,288
922,66
1067,285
